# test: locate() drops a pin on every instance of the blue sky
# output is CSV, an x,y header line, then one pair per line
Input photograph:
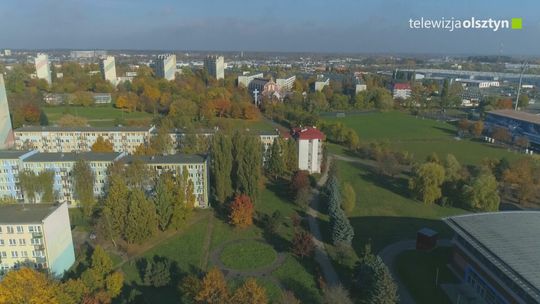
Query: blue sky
x,y
365,26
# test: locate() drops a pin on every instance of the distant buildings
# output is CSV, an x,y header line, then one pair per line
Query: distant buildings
x,y
6,133
286,84
480,84
401,90
7,52
36,236
496,256
519,124
215,66
43,69
264,86
246,79
87,54
67,98
165,66
360,87
108,69
321,83
310,150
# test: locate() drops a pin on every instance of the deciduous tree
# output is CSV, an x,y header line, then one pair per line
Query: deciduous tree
x,y
241,211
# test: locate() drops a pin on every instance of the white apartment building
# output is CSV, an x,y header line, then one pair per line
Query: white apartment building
x,y
359,88
246,79
196,166
80,139
62,165
215,65
6,133
165,66
37,236
11,163
43,69
310,150
108,69
286,84
321,83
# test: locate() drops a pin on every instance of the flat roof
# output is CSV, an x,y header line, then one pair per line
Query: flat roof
x,y
25,213
524,116
73,156
80,129
509,240
178,158
12,154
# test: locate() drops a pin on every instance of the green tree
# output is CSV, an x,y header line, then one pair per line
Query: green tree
x,y
43,119
116,205
141,219
275,163
336,294
83,180
221,166
247,164
452,168
426,182
482,194
164,199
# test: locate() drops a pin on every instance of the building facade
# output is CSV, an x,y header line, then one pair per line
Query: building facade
x,y
6,132
321,83
246,79
496,256
165,66
43,69
36,236
401,90
286,84
310,148
108,69
215,65
519,124
80,139
11,163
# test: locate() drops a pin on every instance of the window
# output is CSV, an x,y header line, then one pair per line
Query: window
x,y
22,242
14,254
1,242
4,255
12,242
9,229
24,254
20,229
35,241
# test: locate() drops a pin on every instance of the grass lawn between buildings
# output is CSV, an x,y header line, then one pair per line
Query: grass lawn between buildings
x,y
97,116
248,254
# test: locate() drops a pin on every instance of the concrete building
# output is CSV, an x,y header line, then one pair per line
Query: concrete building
x,y
286,84
43,69
246,79
11,163
401,90
7,52
62,165
480,84
165,66
67,98
496,256
6,132
36,236
215,65
108,69
195,165
360,87
321,83
80,139
87,54
310,149
520,124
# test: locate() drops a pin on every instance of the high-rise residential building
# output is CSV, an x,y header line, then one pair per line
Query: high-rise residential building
x,y
215,65
108,69
36,236
286,84
43,69
321,83
310,151
6,133
165,66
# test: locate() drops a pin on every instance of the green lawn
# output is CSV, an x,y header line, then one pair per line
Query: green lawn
x,y
418,271
421,137
105,115
248,254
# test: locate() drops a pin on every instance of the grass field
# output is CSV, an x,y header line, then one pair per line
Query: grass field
x,y
97,116
248,254
421,137
418,271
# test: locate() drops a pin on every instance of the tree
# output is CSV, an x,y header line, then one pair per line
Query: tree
x,y
349,198
388,164
116,205
82,98
482,194
501,134
247,164
452,168
250,293
164,199
43,119
275,163
157,272
184,199
83,180
464,126
302,197
241,211
373,281
37,187
523,175
161,143
102,282
477,128
27,286
221,167
288,297
141,219
302,243
290,155
299,181
342,230
426,182
102,145
336,294
213,288
522,142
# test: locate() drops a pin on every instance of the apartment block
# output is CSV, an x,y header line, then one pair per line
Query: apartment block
x,y
11,163
215,66
165,66
43,68
6,132
107,67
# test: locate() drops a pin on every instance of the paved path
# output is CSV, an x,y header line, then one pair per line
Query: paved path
x,y
207,242
389,253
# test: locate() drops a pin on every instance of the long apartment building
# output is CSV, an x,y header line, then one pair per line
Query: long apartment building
x,y
11,163
80,139
36,236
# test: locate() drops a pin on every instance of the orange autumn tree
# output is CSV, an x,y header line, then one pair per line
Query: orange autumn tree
x,y
27,286
102,145
213,289
241,211
250,293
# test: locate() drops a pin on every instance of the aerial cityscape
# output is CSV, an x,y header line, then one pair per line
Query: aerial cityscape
x,y
253,152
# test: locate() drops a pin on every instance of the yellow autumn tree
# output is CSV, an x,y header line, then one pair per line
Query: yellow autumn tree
x,y
213,288
250,293
27,286
102,145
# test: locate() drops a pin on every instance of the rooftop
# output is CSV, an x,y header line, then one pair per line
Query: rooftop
x,y
524,116
168,159
25,213
308,133
509,240
73,156
12,154
81,129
